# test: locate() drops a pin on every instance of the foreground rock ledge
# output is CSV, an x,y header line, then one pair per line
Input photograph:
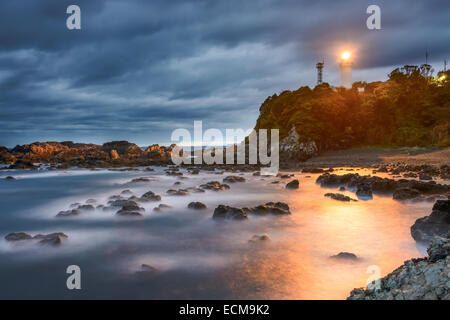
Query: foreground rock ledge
x,y
417,279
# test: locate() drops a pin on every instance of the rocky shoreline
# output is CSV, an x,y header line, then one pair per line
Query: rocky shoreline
x,y
63,155
417,279
425,278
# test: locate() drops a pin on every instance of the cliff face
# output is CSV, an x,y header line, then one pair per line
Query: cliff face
x,y
291,149
417,279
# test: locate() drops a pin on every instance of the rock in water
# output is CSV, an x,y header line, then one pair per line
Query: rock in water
x,y
18,236
405,194
227,212
275,208
436,224
54,239
291,149
161,207
345,256
364,190
417,279
69,213
197,205
215,186
259,238
233,179
339,197
294,184
150,196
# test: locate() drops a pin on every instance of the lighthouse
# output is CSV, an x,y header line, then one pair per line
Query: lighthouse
x,y
346,69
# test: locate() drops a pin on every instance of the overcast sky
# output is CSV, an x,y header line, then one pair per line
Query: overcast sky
x,y
139,69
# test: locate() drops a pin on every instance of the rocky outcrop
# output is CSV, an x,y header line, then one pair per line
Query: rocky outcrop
x,y
417,279
345,256
436,224
383,185
150,196
69,213
50,239
196,205
18,236
339,197
161,207
179,192
223,212
291,149
233,179
275,208
123,148
69,154
54,239
405,194
215,186
294,184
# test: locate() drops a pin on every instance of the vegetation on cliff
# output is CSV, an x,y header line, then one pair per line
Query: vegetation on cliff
x,y
409,109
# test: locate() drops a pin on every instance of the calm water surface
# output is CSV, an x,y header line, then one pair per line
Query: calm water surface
x,y
197,257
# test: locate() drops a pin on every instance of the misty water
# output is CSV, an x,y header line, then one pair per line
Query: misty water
x,y
196,256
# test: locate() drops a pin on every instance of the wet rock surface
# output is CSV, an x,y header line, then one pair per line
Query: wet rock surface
x,y
275,208
161,207
233,179
48,239
215,186
68,154
382,185
179,192
417,279
294,184
436,224
345,256
339,197
223,212
196,205
150,196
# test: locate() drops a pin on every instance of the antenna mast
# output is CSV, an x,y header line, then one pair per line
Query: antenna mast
x,y
319,67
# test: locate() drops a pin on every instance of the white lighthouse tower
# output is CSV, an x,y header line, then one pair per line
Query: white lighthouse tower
x,y
346,69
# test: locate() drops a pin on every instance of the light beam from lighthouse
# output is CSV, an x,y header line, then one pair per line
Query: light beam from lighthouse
x,y
346,65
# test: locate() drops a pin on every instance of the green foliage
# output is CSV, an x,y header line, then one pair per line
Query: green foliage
x,y
410,109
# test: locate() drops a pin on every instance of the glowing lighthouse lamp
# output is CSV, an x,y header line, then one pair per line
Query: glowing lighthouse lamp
x,y
346,69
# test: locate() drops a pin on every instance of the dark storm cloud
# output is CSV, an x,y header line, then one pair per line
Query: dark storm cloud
x,y
139,69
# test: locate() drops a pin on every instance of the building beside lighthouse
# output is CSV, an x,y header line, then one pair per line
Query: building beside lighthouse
x,y
346,65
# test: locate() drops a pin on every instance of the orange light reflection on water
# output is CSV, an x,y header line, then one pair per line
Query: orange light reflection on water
x,y
296,264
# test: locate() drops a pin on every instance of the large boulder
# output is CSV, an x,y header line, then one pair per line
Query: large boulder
x,y
436,224
294,184
291,149
417,279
